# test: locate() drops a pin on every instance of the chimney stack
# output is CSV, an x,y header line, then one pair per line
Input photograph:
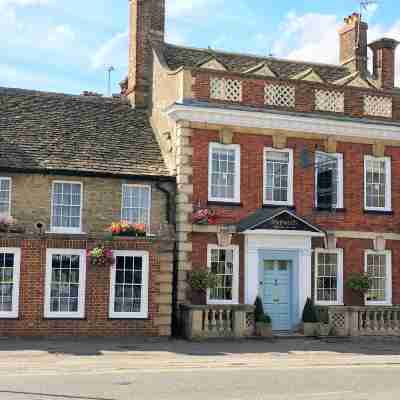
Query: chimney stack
x,y
353,44
146,25
384,51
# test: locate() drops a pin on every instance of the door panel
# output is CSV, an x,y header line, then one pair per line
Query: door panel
x,y
276,293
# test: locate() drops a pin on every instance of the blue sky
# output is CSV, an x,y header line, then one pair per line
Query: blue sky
x,y
65,45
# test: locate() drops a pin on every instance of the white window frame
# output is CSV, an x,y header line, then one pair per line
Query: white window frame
x,y
3,178
130,185
235,277
63,229
80,314
339,289
218,146
15,296
339,189
388,288
144,312
290,200
388,184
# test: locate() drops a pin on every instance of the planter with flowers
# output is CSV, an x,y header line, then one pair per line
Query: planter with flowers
x,y
204,216
101,257
359,284
125,229
200,281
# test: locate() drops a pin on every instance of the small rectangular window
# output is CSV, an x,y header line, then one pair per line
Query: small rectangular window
x,y
224,263
329,276
278,177
329,180
66,207
129,285
5,196
65,283
9,282
377,182
379,270
136,204
224,173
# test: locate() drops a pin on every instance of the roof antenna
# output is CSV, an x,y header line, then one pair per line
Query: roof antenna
x,y
110,69
364,4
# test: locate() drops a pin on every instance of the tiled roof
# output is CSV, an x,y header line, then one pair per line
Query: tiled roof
x,y
177,56
49,131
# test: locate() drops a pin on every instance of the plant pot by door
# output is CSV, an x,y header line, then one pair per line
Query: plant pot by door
x,y
324,329
263,329
310,328
198,297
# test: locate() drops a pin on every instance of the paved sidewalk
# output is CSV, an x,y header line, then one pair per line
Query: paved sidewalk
x,y
22,356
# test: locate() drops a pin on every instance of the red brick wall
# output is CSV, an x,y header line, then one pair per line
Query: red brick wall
x,y
253,93
353,261
31,321
352,217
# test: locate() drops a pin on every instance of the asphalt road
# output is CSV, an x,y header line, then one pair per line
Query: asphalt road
x,y
320,383
177,370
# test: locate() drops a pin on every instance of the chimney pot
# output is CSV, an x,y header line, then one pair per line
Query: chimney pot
x,y
384,66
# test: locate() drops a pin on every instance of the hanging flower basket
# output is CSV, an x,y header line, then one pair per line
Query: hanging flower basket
x,y
204,216
123,228
101,257
10,224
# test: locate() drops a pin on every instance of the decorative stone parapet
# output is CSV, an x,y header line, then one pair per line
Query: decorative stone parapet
x,y
205,322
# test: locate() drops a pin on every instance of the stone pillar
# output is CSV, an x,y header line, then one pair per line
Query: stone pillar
x,y
184,206
164,279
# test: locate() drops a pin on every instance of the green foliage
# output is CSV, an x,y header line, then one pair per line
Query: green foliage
x,y
202,280
259,314
309,312
358,282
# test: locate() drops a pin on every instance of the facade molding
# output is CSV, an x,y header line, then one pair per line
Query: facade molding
x,y
281,121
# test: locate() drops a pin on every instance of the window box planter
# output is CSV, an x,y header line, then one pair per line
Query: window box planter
x,y
124,229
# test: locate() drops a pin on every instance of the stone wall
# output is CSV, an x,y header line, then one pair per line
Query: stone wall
x,y
31,201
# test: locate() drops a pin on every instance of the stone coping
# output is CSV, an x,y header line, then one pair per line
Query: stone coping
x,y
237,307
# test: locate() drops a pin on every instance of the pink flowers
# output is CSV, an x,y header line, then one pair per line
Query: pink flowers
x,y
101,256
204,216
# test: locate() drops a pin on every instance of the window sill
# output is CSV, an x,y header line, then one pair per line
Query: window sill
x,y
331,211
379,212
65,233
291,207
64,318
129,317
224,204
328,303
8,317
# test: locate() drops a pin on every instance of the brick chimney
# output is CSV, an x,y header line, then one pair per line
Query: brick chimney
x,y
353,44
384,62
146,25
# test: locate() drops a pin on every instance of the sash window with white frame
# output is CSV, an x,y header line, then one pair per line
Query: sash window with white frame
x,y
278,177
66,207
328,180
10,259
5,196
136,204
224,263
224,173
377,182
65,283
329,277
378,266
129,285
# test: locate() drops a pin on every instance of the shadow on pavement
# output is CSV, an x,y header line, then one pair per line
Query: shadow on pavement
x,y
283,346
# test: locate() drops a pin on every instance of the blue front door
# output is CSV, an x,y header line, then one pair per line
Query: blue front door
x,y
276,293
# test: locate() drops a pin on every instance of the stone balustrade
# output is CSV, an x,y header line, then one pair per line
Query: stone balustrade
x,y
363,321
212,321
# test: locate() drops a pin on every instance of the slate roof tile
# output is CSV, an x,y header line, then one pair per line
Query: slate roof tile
x,y
50,131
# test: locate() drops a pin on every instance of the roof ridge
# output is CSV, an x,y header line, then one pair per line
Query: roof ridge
x,y
4,89
283,60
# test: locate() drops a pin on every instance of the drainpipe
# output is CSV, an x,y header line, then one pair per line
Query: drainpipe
x,y
171,219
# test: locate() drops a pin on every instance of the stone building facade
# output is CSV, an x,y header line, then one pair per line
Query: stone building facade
x,y
295,164
70,167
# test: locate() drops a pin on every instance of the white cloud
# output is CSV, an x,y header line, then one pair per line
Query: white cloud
x,y
113,52
314,37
